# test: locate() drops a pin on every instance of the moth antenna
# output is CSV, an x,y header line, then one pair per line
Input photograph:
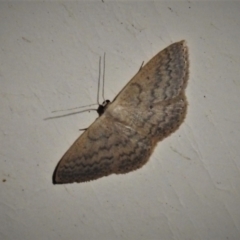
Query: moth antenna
x,y
99,76
69,114
68,109
104,61
98,103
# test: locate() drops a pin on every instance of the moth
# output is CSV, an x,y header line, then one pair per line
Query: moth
x,y
148,109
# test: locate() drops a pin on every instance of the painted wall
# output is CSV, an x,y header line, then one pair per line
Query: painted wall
x,y
49,54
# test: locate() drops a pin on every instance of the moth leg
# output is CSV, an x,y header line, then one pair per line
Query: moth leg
x,y
83,129
141,66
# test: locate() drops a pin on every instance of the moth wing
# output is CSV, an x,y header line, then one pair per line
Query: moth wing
x,y
106,147
154,102
162,78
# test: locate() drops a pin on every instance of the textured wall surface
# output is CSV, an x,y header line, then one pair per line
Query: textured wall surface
x,y
49,54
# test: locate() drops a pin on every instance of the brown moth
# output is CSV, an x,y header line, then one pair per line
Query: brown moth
x,y
149,108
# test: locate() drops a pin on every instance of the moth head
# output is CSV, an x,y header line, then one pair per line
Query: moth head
x,y
101,108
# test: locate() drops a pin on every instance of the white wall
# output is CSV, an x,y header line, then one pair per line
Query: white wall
x,y
49,53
